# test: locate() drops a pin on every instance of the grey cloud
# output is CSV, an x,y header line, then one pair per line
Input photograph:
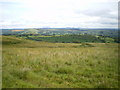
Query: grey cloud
x,y
102,10
99,13
111,23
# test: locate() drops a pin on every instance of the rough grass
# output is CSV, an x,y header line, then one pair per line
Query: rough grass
x,y
30,64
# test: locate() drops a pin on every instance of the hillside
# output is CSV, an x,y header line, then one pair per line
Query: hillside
x,y
96,35
33,64
12,41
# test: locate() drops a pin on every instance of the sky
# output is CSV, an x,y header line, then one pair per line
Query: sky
x,y
58,13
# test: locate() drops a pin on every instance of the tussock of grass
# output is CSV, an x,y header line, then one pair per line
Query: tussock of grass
x,y
84,45
66,67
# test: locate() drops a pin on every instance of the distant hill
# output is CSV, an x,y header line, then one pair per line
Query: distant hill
x,y
62,31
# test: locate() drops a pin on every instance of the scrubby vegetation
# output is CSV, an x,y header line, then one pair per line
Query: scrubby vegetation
x,y
33,64
68,38
74,38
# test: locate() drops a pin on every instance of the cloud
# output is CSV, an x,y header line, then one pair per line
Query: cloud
x,y
58,13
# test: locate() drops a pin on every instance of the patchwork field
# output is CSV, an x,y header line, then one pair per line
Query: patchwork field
x,y
32,64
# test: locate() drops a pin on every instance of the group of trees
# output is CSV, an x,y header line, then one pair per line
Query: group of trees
x,y
71,38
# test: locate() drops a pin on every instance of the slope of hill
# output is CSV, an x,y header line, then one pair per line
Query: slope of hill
x,y
31,64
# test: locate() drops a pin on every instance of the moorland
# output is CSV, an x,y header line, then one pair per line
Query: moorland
x,y
35,58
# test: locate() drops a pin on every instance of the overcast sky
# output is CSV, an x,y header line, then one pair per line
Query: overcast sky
x,y
59,13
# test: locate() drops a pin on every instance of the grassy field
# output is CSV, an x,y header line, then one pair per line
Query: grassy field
x,y
31,64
